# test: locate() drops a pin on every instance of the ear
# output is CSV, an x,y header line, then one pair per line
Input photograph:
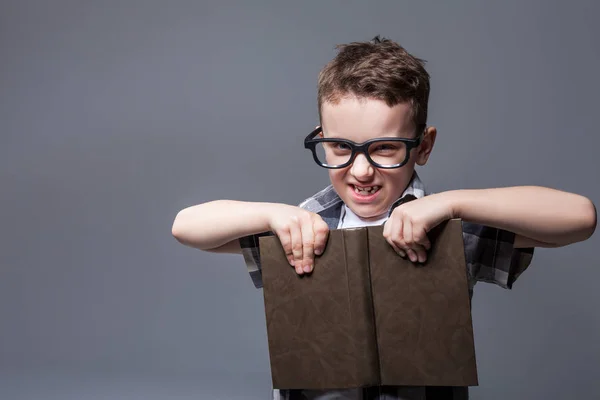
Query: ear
x,y
320,135
426,146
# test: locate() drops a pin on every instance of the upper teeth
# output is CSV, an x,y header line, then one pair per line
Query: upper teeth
x,y
369,189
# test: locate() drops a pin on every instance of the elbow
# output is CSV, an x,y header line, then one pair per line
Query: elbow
x,y
178,228
590,219
185,231
584,221
581,226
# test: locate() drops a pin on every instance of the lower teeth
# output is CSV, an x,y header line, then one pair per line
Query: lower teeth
x,y
365,192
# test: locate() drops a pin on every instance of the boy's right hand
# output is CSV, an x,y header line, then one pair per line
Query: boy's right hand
x,y
301,233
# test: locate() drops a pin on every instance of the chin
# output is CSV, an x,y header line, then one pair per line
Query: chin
x,y
367,211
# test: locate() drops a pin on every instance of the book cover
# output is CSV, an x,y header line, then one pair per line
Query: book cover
x,y
366,316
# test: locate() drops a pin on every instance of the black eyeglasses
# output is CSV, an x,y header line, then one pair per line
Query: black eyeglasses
x,y
387,152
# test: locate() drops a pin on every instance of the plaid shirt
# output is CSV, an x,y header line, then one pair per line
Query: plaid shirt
x,y
490,256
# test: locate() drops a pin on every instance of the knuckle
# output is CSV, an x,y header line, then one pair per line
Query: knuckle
x,y
401,211
400,241
317,219
322,228
307,243
282,231
285,240
397,243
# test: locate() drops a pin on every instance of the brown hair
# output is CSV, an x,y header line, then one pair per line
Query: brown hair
x,y
379,69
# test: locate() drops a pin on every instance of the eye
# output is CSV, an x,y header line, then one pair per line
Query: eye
x,y
338,148
383,147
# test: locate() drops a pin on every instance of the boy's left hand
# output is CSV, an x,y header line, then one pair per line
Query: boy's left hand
x,y
406,229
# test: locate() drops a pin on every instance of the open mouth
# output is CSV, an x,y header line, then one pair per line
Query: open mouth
x,y
366,190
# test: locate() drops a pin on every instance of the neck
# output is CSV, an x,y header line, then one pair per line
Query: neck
x,y
369,219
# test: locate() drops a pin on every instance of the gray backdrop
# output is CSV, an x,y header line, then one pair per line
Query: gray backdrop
x,y
114,115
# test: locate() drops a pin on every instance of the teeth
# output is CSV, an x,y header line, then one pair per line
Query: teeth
x,y
368,189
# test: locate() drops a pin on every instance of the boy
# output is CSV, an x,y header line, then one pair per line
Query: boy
x,y
372,100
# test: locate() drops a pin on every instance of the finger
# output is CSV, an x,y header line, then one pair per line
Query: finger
x,y
388,233
420,253
286,243
321,231
387,228
422,244
412,255
408,239
398,250
420,237
296,236
416,239
308,243
417,252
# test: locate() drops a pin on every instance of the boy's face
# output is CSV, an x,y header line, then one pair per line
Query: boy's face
x,y
360,120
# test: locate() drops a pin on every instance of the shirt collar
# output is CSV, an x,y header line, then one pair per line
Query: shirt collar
x,y
414,190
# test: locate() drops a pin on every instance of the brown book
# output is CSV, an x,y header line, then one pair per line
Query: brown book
x,y
365,316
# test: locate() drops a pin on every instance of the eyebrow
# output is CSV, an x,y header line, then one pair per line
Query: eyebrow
x,y
387,135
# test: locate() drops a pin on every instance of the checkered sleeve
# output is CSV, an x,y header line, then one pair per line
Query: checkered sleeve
x,y
491,256
251,253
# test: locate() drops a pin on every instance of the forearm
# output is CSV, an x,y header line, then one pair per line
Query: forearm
x,y
542,214
210,225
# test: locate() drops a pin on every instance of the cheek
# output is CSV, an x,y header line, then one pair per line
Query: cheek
x,y
395,180
336,175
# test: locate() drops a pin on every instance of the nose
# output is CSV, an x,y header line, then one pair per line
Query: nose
x,y
361,169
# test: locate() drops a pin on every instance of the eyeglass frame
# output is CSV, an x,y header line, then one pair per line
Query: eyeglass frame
x,y
361,148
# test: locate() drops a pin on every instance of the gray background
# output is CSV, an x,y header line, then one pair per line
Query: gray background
x,y
114,115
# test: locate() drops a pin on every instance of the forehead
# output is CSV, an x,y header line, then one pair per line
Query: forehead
x,y
360,119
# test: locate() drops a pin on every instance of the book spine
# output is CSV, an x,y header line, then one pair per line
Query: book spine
x,y
356,250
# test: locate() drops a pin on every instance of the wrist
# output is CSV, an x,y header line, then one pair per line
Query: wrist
x,y
265,213
455,200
